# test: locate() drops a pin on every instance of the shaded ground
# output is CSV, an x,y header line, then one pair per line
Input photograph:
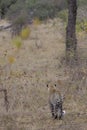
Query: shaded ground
x,y
36,63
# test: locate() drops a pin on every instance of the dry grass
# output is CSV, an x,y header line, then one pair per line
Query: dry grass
x,y
38,62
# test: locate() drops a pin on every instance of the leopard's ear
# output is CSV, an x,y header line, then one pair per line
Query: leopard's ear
x,y
55,85
47,85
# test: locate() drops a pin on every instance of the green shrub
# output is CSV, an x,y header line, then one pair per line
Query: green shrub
x,y
19,22
82,2
17,42
18,17
78,26
63,15
25,33
11,59
36,21
85,25
81,26
41,9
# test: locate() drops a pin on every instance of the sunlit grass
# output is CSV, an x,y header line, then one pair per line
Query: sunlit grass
x,y
85,25
25,33
11,59
17,42
63,15
81,26
16,73
36,21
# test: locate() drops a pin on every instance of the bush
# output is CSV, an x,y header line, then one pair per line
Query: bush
x,y
82,2
36,21
11,59
44,9
23,12
63,15
4,6
25,33
85,25
81,26
41,9
19,22
17,42
18,16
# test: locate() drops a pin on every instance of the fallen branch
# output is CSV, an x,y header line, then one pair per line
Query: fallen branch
x,y
2,27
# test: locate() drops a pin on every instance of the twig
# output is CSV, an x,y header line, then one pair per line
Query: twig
x,y
5,98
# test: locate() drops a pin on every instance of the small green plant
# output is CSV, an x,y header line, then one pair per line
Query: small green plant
x,y
11,59
81,26
82,2
17,42
85,25
63,15
37,21
25,33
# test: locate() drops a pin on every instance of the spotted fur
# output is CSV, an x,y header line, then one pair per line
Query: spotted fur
x,y
55,102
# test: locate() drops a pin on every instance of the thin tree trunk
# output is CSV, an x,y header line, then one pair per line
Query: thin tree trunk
x,y
71,41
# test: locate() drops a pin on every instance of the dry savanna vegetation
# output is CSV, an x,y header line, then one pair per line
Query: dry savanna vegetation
x,y
27,63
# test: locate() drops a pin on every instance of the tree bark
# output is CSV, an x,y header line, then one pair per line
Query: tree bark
x,y
71,41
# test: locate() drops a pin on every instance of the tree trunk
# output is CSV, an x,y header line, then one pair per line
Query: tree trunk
x,y
71,41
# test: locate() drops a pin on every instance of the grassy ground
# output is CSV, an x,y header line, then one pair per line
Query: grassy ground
x,y
37,62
